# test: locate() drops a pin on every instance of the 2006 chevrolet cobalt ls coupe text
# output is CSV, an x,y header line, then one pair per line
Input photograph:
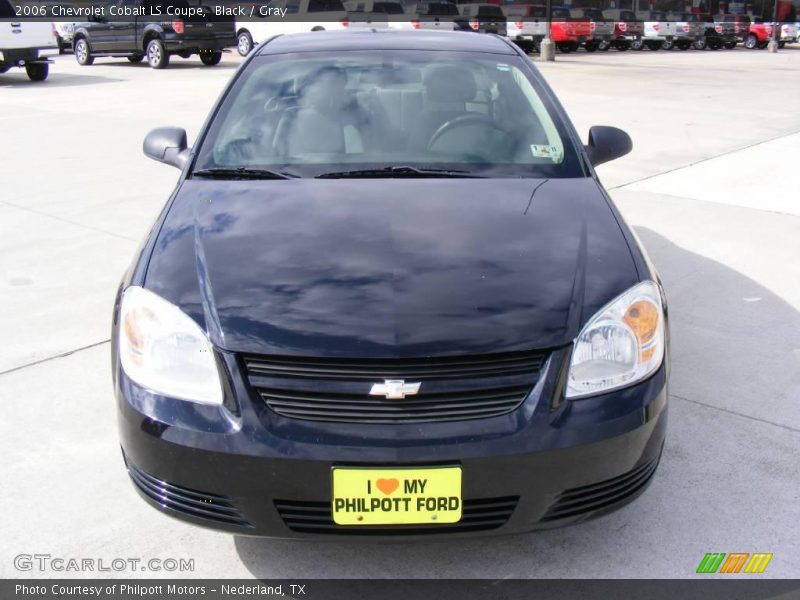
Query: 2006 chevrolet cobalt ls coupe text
x,y
389,297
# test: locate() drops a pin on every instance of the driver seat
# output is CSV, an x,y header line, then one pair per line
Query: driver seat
x,y
447,89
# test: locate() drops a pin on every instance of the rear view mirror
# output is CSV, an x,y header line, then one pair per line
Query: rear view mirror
x,y
607,143
167,145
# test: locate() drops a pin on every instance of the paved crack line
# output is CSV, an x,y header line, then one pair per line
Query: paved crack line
x,y
702,160
714,202
49,358
737,414
63,220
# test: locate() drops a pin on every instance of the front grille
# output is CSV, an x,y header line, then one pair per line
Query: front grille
x,y
202,505
590,498
316,517
337,390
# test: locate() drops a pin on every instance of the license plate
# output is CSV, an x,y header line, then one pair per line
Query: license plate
x,y
396,496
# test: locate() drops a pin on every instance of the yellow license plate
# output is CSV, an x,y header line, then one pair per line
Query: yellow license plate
x,y
396,496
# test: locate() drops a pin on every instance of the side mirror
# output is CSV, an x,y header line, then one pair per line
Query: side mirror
x,y
167,145
607,143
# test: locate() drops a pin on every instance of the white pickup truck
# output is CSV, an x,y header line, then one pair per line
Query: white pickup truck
x,y
323,15
657,30
22,41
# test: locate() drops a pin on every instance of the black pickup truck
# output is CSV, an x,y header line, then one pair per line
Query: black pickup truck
x,y
155,30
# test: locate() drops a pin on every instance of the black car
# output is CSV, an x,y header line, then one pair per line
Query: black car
x,y
155,30
389,297
483,18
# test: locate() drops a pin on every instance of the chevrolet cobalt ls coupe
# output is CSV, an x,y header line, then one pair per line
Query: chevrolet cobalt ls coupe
x,y
389,297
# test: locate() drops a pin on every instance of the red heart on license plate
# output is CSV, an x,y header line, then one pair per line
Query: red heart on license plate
x,y
387,486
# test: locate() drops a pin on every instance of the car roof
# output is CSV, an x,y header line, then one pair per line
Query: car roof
x,y
373,39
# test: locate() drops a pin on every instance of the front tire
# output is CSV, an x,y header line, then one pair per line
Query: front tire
x,y
244,43
667,45
751,42
700,44
37,71
157,56
604,46
83,54
637,45
210,58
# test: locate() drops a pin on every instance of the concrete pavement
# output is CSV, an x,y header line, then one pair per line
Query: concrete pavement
x,y
705,189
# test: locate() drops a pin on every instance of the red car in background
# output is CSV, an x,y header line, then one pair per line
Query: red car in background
x,y
761,32
527,25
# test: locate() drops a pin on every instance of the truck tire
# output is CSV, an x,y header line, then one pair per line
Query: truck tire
x,y
604,46
700,44
136,58
37,71
157,56
751,42
667,45
244,43
210,57
637,44
83,54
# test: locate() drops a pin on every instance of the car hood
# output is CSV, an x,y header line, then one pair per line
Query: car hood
x,y
390,267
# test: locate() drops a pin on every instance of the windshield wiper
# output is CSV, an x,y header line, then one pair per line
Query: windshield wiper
x,y
242,173
396,171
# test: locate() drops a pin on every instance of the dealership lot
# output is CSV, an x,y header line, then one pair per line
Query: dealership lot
x,y
710,188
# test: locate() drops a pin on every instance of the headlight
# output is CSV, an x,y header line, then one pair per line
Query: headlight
x,y
621,344
164,350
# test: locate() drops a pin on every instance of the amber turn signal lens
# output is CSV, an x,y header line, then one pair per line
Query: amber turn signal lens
x,y
642,317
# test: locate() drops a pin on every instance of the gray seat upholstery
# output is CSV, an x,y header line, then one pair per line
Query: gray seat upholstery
x,y
324,120
447,91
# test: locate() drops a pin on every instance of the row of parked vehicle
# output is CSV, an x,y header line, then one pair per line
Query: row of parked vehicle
x,y
206,30
596,29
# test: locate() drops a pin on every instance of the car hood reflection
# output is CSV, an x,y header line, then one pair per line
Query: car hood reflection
x,y
404,267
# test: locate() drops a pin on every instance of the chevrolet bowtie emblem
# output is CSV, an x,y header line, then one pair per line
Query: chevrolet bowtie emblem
x,y
394,389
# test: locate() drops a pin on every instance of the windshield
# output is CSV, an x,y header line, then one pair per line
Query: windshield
x,y
309,114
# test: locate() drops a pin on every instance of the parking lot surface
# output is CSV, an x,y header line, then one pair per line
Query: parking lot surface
x,y
710,188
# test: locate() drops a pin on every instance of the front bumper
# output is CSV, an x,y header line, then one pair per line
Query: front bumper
x,y
252,472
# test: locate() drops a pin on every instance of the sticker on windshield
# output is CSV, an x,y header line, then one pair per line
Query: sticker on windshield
x,y
544,151
503,67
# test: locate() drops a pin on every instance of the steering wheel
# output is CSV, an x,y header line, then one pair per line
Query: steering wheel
x,y
465,120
